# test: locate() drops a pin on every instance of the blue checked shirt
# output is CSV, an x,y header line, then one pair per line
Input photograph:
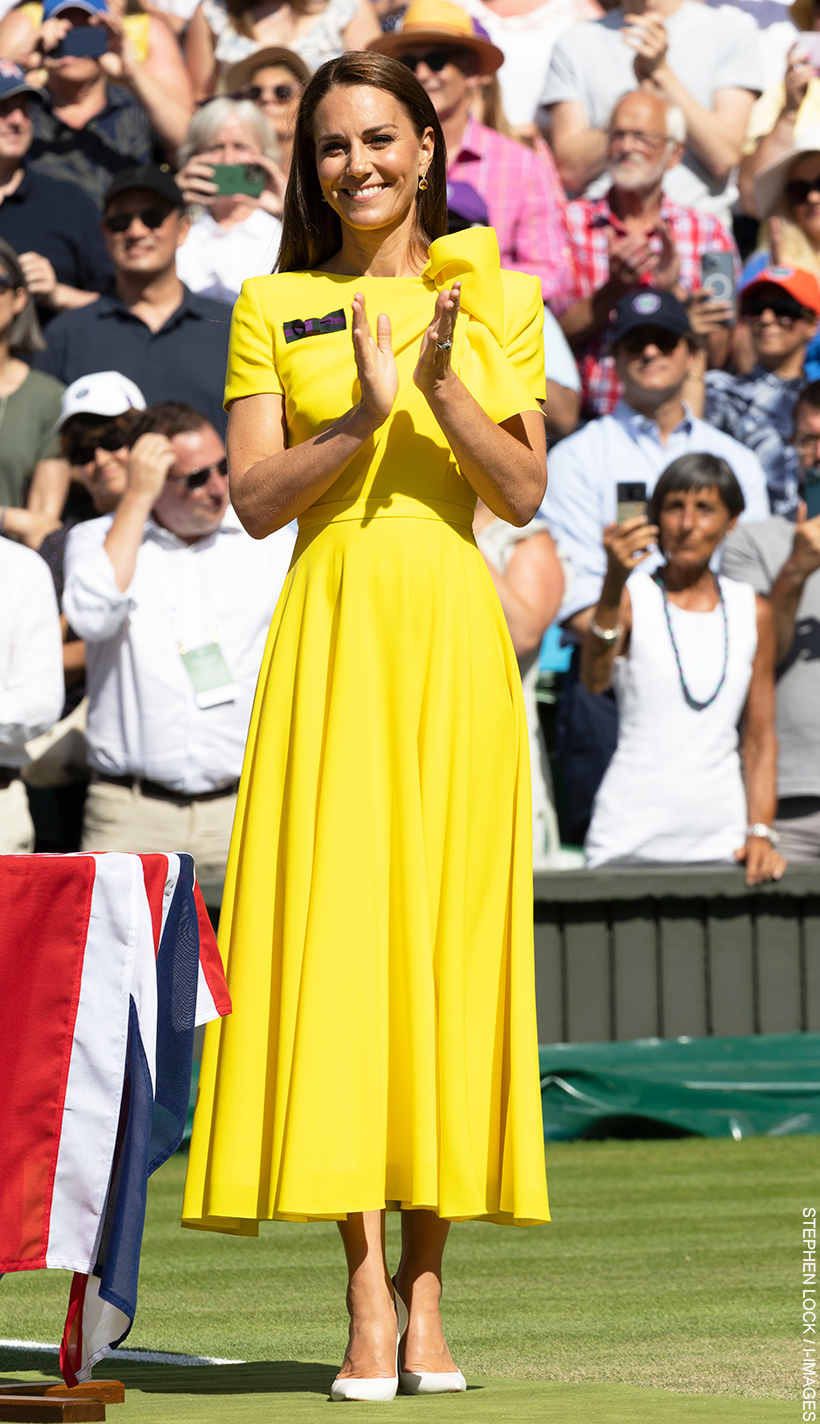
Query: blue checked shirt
x,y
758,410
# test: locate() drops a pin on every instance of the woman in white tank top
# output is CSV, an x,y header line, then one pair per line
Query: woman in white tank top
x,y
691,657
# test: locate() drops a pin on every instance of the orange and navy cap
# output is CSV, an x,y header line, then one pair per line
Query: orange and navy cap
x,y
799,283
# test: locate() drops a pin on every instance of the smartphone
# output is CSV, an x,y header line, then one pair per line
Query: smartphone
x,y
811,493
809,43
87,41
631,500
232,178
717,274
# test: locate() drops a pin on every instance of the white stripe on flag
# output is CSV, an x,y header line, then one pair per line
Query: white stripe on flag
x,y
119,915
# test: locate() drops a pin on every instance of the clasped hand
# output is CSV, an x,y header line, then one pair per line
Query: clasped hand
x,y
376,363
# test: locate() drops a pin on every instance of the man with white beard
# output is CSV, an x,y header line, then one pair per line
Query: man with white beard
x,y
634,237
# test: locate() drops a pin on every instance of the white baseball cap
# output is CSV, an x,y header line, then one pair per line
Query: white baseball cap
x,y
102,393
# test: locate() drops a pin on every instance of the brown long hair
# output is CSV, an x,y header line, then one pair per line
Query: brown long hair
x,y
312,232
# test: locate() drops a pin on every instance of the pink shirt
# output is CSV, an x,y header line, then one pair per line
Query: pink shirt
x,y
524,199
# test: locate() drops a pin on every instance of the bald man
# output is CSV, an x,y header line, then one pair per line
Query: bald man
x,y
635,236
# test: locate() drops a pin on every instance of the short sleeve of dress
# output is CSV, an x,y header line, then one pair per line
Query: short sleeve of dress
x,y
524,336
251,367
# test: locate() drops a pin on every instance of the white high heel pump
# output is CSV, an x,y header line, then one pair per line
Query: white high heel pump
x,y
376,1391
425,1381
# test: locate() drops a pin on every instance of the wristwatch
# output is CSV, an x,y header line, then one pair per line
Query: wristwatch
x,y
609,636
764,832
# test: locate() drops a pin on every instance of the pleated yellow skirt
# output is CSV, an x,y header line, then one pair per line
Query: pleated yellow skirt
x,y
377,920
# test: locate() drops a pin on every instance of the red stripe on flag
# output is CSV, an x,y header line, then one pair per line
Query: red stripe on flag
x,y
43,928
71,1345
210,958
155,871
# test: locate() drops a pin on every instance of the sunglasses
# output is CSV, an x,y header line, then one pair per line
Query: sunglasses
x,y
636,341
150,217
799,189
784,309
82,452
198,478
6,284
435,59
280,92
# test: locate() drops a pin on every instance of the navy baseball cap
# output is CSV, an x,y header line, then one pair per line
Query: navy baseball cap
x,y
13,81
649,307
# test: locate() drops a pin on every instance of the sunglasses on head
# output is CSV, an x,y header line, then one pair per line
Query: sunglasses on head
x,y
797,191
435,59
198,478
150,217
784,309
636,341
83,450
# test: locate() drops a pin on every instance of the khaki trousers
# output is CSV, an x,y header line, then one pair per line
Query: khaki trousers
x,y
121,818
16,825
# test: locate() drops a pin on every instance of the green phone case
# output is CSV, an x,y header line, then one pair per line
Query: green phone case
x,y
233,178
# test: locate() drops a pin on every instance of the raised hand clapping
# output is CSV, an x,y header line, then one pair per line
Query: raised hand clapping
x,y
375,362
436,344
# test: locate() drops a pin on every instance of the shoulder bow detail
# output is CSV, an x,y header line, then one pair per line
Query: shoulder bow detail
x,y
472,258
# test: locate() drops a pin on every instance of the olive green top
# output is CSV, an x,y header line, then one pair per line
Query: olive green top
x,y
27,432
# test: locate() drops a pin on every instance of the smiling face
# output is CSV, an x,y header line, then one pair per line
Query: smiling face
x,y
778,325
142,248
449,75
653,364
692,523
369,157
638,149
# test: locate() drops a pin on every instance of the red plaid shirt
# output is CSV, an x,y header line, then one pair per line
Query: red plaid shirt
x,y
588,220
521,191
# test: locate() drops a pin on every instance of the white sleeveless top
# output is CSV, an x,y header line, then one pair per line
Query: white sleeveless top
x,y
322,41
674,790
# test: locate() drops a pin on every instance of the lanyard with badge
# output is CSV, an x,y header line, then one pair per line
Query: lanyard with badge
x,y
211,678
210,675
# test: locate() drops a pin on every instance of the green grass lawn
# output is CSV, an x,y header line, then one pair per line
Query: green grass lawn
x,y
667,1288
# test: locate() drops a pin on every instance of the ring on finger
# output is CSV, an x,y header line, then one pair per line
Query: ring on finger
x,y
444,345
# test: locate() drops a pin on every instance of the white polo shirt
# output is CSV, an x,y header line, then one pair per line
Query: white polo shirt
x,y
143,717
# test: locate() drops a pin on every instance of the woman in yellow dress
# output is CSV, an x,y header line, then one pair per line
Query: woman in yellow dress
x,y
377,917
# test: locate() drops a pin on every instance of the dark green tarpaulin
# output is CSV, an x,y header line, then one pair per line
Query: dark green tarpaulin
x,y
717,1087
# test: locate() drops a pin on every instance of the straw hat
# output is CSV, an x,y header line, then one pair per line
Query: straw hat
x,y
802,13
240,75
438,23
770,181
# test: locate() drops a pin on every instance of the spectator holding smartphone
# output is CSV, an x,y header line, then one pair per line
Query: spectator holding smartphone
x,y
107,106
780,308
238,234
651,425
782,561
691,655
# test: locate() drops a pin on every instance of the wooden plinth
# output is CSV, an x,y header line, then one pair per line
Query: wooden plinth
x,y
28,1408
107,1391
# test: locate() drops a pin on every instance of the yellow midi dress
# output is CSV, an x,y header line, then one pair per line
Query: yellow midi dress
x,y
377,918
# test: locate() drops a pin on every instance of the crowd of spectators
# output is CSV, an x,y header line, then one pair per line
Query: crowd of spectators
x,y
656,164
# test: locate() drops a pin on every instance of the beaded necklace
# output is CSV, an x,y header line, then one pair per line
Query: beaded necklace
x,y
688,698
